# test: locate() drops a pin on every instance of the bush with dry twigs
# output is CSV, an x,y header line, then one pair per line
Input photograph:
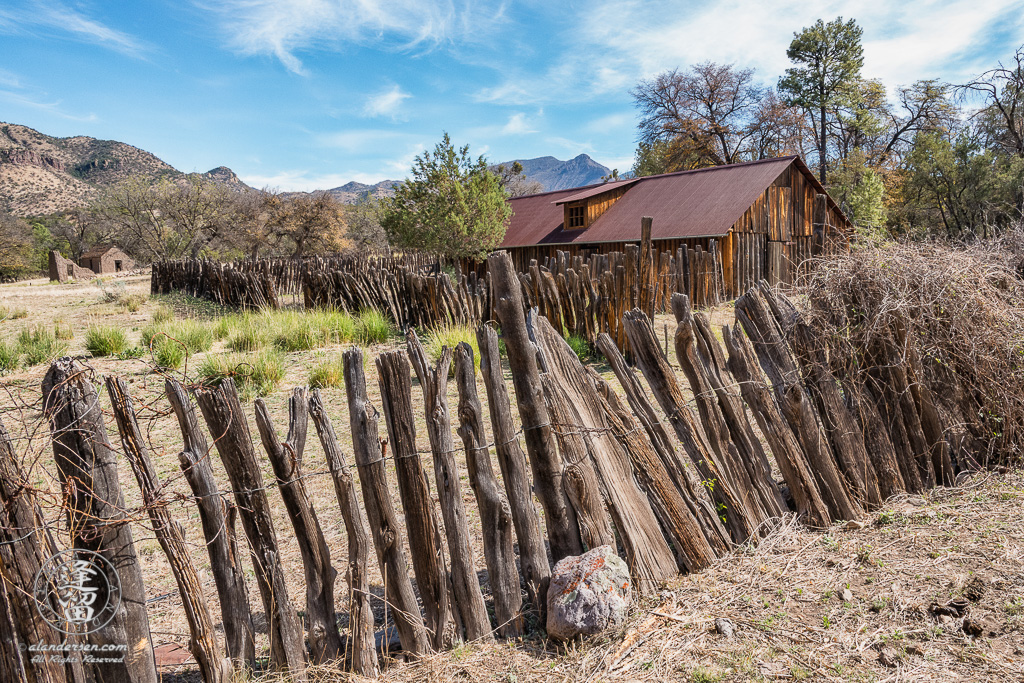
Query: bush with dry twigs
x,y
959,308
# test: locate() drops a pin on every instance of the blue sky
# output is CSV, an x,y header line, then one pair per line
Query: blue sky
x,y
306,94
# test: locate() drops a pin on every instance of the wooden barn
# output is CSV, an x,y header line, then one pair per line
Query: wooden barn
x,y
106,259
761,218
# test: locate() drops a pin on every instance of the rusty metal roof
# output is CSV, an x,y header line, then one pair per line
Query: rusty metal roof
x,y
594,190
698,203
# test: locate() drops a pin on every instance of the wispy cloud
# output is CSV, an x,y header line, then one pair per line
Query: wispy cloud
x,y
283,28
304,181
371,140
517,125
615,43
53,107
58,17
386,103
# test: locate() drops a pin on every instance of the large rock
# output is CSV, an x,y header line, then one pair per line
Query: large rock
x,y
588,593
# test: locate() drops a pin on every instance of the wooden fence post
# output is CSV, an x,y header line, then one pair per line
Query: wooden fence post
x,y
387,534
171,536
324,642
87,466
218,532
563,531
360,613
495,516
230,430
434,383
420,519
533,557
25,546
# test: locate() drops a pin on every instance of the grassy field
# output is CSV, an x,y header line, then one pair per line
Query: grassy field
x,y
787,598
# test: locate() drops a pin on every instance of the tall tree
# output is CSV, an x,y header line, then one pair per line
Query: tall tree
x,y
829,58
305,223
452,205
704,113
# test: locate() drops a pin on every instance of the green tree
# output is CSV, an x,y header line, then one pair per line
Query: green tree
x,y
829,58
452,205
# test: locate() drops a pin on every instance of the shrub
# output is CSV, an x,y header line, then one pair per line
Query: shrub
x,y
450,335
105,341
133,302
163,313
132,353
373,327
255,374
39,345
8,356
328,373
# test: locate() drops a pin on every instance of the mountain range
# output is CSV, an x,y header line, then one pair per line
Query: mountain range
x,y
41,174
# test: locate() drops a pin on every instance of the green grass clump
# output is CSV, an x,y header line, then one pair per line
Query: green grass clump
x,y
102,340
223,327
255,374
373,327
133,302
298,332
39,345
249,333
195,335
328,373
9,356
61,330
450,335
169,354
12,313
163,313
131,353
580,346
339,326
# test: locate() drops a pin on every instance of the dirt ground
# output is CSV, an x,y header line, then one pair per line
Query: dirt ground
x,y
843,604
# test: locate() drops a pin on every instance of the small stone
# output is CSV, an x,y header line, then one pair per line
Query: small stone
x,y
854,525
588,593
724,627
888,656
847,595
916,501
945,619
914,649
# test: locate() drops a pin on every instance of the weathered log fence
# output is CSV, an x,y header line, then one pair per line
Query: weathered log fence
x,y
603,468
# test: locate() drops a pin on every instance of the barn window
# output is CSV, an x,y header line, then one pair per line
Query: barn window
x,y
577,216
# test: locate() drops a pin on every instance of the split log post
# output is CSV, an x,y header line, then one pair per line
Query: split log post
x,y
87,466
666,390
230,430
171,536
434,383
360,614
420,519
387,534
25,546
495,515
218,522
784,444
323,640
563,530
647,552
693,494
533,557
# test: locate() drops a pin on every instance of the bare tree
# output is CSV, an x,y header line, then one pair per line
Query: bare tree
x,y
1003,91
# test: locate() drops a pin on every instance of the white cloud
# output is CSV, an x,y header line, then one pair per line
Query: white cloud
x,y
365,140
385,103
517,125
284,27
304,181
615,43
53,107
59,17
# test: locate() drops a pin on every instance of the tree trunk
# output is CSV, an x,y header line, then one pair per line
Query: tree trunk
x,y
387,534
171,536
324,642
218,532
563,530
360,613
87,466
495,516
226,422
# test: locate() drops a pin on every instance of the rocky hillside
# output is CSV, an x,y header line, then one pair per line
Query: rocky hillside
x,y
41,174
554,174
352,192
